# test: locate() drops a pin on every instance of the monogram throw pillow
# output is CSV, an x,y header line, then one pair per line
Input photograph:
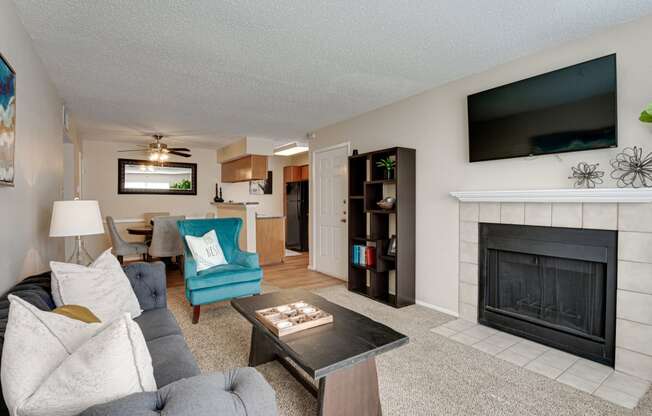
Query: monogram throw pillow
x,y
206,250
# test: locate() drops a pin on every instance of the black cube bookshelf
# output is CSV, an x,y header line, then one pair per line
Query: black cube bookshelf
x,y
390,279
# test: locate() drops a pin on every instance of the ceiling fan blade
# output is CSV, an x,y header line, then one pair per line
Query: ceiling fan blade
x,y
179,154
178,149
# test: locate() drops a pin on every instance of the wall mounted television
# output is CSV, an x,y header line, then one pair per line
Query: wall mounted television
x,y
566,110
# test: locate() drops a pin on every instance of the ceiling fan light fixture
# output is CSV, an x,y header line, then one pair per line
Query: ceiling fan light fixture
x,y
290,149
154,157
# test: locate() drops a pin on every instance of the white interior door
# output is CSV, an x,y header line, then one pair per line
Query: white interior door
x,y
331,255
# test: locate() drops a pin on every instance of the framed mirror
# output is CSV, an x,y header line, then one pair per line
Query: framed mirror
x,y
146,177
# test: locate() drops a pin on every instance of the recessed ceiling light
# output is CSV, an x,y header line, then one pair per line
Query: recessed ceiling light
x,y
290,149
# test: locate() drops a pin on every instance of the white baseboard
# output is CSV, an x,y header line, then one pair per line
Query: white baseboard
x,y
437,308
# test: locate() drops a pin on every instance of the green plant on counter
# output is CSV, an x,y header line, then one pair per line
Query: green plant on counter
x,y
646,115
182,184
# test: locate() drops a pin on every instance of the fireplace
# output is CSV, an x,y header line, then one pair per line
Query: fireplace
x,y
555,286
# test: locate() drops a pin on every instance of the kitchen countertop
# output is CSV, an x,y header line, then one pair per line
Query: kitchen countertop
x,y
233,203
269,217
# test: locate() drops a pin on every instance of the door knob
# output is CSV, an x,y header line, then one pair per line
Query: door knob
x,y
343,220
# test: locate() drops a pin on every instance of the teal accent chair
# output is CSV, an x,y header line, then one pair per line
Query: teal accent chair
x,y
240,277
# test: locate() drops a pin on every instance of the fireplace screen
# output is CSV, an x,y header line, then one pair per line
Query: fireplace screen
x,y
556,286
563,292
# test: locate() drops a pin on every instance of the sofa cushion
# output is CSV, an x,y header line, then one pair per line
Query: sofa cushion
x,y
114,363
238,392
157,323
35,290
41,338
103,287
223,275
171,359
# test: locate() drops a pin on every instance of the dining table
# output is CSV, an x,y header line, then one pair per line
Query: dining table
x,y
145,230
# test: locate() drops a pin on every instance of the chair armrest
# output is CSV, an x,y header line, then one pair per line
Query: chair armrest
x,y
149,283
238,392
189,266
246,259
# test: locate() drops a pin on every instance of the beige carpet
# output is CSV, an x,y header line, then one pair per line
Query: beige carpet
x,y
430,376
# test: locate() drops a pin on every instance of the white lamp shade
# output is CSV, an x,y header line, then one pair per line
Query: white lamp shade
x,y
74,218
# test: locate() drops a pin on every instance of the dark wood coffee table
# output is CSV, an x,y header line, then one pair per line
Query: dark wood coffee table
x,y
340,356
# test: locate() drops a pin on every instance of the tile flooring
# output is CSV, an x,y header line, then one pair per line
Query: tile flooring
x,y
582,374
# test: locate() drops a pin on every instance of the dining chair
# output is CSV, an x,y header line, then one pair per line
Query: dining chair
x,y
166,241
148,216
121,247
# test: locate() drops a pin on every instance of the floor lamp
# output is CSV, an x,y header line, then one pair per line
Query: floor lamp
x,y
76,218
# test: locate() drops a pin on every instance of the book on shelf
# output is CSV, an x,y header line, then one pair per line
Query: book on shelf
x,y
364,255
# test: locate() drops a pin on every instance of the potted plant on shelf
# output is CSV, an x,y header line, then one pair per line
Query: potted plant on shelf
x,y
646,114
388,164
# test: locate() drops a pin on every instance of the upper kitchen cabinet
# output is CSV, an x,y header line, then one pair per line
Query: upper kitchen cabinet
x,y
247,168
305,172
296,173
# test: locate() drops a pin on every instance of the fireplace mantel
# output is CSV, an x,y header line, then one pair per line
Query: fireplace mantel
x,y
598,195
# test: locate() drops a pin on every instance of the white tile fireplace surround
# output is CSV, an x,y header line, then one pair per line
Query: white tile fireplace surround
x,y
629,211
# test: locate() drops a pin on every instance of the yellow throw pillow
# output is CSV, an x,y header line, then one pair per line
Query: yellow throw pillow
x,y
77,312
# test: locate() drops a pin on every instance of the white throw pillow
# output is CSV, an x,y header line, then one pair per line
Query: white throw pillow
x,y
36,342
112,364
206,250
102,287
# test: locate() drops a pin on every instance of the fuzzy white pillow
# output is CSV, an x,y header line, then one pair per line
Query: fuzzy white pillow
x,y
102,287
36,343
112,364
206,250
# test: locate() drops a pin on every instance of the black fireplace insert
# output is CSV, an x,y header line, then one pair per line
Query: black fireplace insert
x,y
555,286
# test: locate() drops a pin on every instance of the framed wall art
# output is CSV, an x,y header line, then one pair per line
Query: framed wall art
x,y
7,122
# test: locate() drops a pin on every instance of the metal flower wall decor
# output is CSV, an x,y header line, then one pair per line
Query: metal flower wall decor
x,y
632,169
586,175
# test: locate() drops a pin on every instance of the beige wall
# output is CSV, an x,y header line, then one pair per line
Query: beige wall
x,y
268,204
100,181
25,247
435,123
300,159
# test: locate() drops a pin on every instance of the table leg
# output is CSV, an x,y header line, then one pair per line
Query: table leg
x,y
351,391
262,348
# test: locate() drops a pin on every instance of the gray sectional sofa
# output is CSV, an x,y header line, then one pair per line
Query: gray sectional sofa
x,y
183,391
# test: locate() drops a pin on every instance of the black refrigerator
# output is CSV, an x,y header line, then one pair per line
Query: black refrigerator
x,y
296,228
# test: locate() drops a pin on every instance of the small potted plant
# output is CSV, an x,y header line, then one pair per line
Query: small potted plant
x,y
389,165
646,115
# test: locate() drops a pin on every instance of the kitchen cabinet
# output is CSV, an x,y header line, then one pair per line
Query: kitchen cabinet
x,y
291,174
247,168
270,239
296,173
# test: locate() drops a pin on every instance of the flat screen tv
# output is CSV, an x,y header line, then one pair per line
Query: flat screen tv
x,y
567,110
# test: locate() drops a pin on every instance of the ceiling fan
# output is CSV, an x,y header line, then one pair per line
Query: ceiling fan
x,y
158,151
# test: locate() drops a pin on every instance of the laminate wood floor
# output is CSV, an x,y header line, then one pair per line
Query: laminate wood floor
x,y
293,273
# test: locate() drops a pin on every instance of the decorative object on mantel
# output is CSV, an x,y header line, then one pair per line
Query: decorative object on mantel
x,y
586,175
646,114
632,169
7,122
218,194
389,164
387,203
355,152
